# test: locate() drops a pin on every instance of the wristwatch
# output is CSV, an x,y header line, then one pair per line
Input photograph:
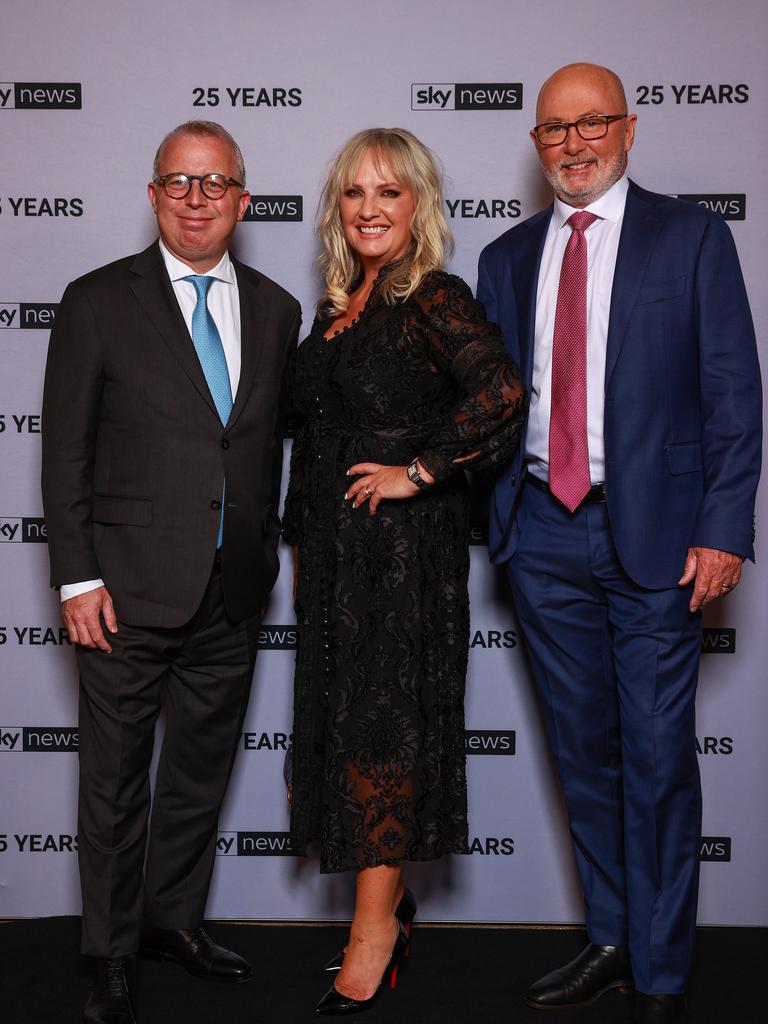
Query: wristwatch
x,y
415,477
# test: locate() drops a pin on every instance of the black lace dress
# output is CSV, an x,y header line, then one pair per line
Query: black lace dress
x,y
382,604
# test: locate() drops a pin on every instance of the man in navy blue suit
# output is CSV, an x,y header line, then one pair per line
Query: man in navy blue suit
x,y
628,509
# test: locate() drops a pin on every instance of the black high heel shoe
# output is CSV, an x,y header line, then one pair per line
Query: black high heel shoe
x,y
335,1004
405,913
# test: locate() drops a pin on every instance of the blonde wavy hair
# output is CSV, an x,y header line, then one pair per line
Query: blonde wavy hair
x,y
414,166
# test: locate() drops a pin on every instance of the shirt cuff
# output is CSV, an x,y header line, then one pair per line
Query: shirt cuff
x,y
69,590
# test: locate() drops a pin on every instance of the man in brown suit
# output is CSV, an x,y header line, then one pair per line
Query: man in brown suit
x,y
162,453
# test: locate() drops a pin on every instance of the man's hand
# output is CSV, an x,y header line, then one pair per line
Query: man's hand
x,y
81,617
716,574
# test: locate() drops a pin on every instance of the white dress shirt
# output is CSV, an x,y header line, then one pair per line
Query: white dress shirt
x,y
223,303
224,306
602,237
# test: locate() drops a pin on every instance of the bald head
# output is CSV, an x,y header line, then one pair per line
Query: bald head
x,y
587,80
582,170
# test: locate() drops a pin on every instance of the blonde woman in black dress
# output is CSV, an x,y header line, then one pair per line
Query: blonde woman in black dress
x,y
402,384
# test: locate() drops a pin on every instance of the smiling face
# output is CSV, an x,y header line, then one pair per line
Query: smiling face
x,y
197,230
581,171
376,212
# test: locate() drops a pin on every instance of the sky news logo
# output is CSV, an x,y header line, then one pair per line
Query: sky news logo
x,y
42,739
718,641
41,96
489,741
277,638
467,96
272,208
30,316
730,205
715,848
254,844
26,530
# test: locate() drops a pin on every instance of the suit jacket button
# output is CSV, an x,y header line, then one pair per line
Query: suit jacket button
x,y
225,443
216,506
514,480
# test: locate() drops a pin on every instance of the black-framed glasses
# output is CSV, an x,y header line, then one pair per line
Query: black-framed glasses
x,y
177,185
593,126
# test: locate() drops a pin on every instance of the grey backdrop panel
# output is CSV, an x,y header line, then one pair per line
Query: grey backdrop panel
x,y
88,91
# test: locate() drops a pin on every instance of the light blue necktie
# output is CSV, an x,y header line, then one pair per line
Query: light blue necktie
x,y
210,352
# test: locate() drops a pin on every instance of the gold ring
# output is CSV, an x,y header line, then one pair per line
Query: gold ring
x,y
368,492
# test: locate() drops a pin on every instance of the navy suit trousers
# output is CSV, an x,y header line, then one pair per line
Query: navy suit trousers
x,y
616,666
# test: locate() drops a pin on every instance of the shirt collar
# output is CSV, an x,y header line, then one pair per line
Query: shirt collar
x,y
223,271
610,205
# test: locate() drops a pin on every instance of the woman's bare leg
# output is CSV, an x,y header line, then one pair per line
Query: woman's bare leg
x,y
373,932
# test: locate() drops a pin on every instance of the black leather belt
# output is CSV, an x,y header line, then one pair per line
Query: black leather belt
x,y
595,493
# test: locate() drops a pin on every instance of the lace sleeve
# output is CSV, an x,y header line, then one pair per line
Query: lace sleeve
x,y
483,429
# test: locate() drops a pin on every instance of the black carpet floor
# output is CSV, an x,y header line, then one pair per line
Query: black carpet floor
x,y
455,976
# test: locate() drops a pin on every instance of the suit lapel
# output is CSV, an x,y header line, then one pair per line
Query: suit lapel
x,y
639,232
154,291
526,280
252,337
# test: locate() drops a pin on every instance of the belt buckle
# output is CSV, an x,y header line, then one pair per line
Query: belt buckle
x,y
594,495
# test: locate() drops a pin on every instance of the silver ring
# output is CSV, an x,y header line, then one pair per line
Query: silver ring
x,y
726,586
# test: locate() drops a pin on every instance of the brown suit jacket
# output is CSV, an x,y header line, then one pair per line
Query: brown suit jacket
x,y
135,456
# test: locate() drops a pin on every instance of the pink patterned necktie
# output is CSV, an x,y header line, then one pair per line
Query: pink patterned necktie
x,y
568,453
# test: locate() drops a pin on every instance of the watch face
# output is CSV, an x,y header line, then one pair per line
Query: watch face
x,y
414,476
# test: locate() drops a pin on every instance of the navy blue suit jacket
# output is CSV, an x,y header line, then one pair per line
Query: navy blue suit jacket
x,y
683,397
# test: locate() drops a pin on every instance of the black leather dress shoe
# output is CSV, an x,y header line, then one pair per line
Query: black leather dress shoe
x,y
660,1010
196,952
594,971
110,998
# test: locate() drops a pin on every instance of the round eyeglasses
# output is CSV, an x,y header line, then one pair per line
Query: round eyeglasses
x,y
593,126
214,186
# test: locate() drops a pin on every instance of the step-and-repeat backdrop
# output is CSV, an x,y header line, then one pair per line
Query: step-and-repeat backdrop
x,y
87,90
